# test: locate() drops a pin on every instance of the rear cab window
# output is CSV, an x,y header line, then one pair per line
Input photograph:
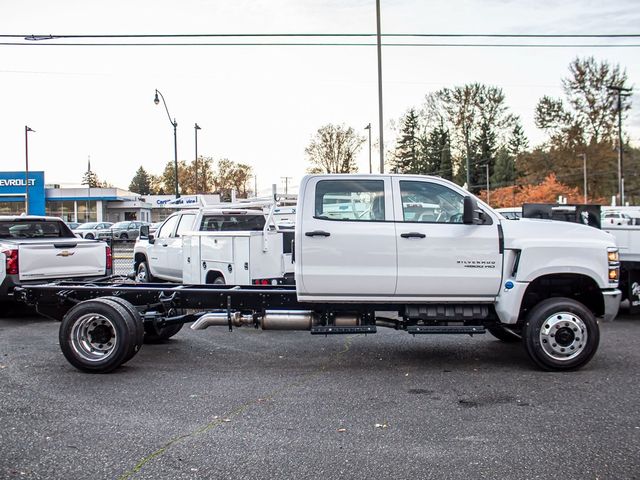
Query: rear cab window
x,y
232,222
351,200
30,228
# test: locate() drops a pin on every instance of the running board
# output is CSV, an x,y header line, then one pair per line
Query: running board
x,y
333,330
446,329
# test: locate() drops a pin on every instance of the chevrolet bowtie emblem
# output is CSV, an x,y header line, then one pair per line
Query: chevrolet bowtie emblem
x,y
65,253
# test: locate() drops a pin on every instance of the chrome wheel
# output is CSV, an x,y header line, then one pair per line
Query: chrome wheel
x,y
142,274
93,337
563,336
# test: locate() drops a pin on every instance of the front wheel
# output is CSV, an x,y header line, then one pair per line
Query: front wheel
x,y
143,275
89,236
561,334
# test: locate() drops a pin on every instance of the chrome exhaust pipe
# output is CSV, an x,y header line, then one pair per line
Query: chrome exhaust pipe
x,y
221,319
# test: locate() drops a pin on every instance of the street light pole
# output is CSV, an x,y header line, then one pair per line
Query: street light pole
x,y
26,169
368,127
584,170
175,138
619,91
196,128
380,116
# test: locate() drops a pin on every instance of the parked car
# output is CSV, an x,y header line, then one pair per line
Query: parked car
x,y
92,230
126,230
36,249
73,225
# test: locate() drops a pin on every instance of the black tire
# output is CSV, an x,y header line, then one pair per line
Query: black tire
x,y
505,334
97,336
219,281
143,274
89,236
133,311
554,334
159,335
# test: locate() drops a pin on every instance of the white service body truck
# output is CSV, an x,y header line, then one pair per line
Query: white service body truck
x,y
373,251
222,246
35,249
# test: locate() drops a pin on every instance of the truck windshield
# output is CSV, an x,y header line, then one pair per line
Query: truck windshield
x,y
232,223
34,229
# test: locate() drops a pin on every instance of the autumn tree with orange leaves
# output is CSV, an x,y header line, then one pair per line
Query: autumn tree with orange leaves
x,y
547,191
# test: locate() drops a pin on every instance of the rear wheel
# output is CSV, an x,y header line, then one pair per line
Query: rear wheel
x,y
135,314
98,336
561,334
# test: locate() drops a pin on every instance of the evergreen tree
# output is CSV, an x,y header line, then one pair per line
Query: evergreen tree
x,y
141,182
504,173
90,179
406,156
436,159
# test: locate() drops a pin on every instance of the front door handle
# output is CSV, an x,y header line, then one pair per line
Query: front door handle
x,y
412,235
317,233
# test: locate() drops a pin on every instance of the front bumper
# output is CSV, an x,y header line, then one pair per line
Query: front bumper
x,y
611,303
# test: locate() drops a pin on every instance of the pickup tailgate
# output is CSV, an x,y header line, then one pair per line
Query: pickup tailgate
x,y
61,259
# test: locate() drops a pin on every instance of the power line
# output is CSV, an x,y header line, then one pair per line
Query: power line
x,y
289,35
323,44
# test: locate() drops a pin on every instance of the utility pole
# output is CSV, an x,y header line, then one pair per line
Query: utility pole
x,y
196,127
584,170
380,116
286,183
619,91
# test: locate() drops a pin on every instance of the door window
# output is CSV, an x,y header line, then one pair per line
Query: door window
x,y
166,230
355,200
428,202
186,224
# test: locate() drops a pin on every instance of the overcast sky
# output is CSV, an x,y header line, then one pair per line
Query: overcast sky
x,y
261,105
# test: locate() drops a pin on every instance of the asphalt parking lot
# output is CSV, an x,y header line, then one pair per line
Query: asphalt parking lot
x,y
253,404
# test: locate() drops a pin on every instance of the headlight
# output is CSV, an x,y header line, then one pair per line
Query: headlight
x,y
613,259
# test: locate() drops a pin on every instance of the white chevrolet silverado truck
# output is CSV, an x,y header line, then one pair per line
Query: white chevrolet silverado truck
x,y
413,253
36,249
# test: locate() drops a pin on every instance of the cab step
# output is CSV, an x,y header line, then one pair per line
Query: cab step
x,y
446,329
333,330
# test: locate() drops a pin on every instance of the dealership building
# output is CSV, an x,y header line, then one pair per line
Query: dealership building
x,y
88,204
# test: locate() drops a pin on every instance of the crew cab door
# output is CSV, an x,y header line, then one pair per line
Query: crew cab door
x,y
438,255
159,250
347,238
174,248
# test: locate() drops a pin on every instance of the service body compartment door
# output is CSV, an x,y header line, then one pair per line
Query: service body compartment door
x,y
347,238
438,255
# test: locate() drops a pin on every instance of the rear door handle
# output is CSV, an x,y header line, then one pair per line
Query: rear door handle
x,y
318,233
412,235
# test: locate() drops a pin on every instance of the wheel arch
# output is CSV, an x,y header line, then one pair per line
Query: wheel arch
x,y
212,275
576,286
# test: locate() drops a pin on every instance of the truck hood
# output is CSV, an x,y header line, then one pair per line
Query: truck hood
x,y
526,232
